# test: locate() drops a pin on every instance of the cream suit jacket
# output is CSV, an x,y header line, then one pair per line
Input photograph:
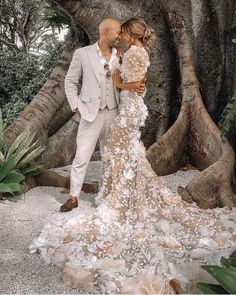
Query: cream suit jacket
x,y
85,64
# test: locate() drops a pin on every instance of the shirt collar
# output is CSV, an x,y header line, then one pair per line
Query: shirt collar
x,y
113,53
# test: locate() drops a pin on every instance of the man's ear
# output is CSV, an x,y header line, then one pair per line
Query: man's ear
x,y
106,32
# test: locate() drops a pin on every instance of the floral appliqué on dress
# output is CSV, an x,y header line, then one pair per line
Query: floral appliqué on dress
x,y
141,235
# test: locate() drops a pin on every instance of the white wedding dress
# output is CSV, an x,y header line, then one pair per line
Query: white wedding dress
x,y
141,237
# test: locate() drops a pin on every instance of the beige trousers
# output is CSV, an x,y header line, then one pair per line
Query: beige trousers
x,y
88,135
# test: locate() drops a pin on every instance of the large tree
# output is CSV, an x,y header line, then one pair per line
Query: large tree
x,y
210,28
24,22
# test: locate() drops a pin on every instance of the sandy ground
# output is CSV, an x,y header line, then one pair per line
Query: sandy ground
x,y
22,219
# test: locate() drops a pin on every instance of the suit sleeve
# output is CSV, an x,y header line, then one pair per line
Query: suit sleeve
x,y
72,80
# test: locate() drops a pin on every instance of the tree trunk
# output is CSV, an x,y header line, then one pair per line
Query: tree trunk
x,y
210,28
195,138
61,145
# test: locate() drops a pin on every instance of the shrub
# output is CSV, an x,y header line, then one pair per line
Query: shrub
x,y
16,162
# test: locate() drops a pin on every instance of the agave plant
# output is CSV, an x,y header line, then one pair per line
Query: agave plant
x,y
16,162
225,276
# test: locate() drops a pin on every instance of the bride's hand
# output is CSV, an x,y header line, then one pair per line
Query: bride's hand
x,y
116,78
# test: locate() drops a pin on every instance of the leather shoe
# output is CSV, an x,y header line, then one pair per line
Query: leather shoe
x,y
69,205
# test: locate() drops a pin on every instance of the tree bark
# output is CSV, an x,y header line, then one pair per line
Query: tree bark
x,y
61,145
195,138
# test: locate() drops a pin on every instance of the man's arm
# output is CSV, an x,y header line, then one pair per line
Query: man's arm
x,y
137,86
72,80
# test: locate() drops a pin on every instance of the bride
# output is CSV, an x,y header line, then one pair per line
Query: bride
x,y
142,238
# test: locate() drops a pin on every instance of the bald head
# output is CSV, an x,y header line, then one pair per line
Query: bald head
x,y
110,32
108,24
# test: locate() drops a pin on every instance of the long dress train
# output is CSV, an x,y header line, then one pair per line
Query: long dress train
x,y
141,236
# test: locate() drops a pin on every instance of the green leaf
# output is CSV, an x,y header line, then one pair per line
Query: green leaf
x,y
32,170
14,177
19,155
211,288
225,262
2,158
24,140
11,188
228,262
16,144
28,140
225,276
232,261
31,156
7,167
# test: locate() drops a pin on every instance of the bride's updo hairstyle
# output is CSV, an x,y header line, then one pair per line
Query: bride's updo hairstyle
x,y
137,28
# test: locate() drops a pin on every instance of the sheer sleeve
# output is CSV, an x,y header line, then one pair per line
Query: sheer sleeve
x,y
135,63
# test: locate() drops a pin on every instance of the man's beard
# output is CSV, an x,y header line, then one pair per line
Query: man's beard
x,y
115,43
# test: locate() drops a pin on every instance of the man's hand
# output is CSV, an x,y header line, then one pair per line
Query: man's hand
x,y
116,78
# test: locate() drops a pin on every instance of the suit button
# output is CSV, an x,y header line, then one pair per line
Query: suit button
x,y
99,97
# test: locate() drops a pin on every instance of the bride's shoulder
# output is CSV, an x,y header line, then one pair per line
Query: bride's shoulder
x,y
136,50
136,53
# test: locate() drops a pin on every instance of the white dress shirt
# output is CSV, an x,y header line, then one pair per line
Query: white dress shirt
x,y
102,59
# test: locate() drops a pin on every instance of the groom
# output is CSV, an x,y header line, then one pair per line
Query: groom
x,y
96,105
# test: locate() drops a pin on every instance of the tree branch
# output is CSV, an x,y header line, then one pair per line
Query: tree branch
x,y
10,45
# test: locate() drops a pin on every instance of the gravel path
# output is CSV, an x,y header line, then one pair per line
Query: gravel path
x,y
22,219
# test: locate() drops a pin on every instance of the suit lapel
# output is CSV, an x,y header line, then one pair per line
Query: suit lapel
x,y
93,59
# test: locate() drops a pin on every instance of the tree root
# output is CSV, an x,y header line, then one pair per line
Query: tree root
x,y
195,138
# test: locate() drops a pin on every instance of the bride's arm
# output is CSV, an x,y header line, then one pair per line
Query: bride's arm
x,y
137,85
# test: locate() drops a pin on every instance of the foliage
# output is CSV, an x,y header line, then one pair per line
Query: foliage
x,y
225,276
23,75
16,162
24,22
28,50
21,24
51,48
55,16
20,77
228,116
12,109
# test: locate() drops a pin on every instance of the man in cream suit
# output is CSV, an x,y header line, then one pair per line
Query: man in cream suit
x,y
96,105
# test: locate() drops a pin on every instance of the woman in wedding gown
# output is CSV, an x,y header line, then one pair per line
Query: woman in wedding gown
x,y
142,238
